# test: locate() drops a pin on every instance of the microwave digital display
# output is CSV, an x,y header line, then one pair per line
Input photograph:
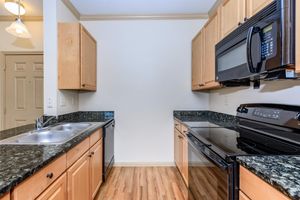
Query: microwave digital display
x,y
267,46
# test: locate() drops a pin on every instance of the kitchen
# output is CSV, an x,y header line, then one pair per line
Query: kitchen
x,y
131,86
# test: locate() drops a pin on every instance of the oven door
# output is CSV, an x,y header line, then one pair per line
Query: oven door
x,y
210,177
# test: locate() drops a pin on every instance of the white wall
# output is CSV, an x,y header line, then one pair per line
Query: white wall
x,y
55,102
144,73
226,100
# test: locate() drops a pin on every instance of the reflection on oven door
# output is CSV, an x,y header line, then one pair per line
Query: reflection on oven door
x,y
206,180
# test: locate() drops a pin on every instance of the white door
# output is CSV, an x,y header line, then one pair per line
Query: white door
x,y
23,89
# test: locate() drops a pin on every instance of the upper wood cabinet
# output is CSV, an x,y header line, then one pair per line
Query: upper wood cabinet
x,y
198,55
203,56
232,13
254,6
77,58
211,39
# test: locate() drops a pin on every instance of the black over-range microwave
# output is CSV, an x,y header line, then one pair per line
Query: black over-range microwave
x,y
263,47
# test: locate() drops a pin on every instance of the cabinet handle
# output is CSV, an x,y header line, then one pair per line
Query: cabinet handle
x,y
49,175
240,23
83,85
245,19
180,136
91,154
201,84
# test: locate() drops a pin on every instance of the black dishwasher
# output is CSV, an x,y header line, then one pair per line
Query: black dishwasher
x,y
108,148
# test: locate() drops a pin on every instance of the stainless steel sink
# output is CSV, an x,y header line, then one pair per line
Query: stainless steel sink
x,y
52,135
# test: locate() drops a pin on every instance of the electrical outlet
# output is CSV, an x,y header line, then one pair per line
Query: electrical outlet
x,y
62,101
49,103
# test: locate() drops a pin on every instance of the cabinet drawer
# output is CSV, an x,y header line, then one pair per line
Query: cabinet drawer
x,y
57,191
96,136
257,189
36,184
75,153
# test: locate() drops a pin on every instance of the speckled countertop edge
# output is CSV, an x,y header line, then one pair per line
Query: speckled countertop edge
x,y
281,172
19,173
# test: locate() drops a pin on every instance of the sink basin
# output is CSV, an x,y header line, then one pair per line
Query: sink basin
x,y
53,135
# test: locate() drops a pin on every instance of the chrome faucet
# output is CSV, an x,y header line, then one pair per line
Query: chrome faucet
x,y
39,123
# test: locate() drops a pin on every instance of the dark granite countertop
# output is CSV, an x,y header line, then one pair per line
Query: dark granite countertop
x,y
18,162
221,119
282,172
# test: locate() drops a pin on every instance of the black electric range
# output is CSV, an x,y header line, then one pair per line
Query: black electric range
x,y
263,129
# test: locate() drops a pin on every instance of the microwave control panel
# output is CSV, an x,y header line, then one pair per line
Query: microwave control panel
x,y
268,42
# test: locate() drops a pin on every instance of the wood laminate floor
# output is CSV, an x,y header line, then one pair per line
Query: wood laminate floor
x,y
143,183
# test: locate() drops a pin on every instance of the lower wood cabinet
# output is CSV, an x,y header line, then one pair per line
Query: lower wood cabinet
x,y
181,151
254,188
76,175
79,179
96,167
57,191
5,197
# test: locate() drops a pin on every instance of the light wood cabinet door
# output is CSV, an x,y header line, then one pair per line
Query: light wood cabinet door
x,y
232,13
178,149
257,189
5,197
77,58
96,167
57,191
88,61
185,164
79,179
242,196
254,6
211,39
198,54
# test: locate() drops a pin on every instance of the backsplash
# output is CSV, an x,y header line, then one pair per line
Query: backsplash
x,y
82,116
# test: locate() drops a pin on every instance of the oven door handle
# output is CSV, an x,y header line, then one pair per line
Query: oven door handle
x,y
219,163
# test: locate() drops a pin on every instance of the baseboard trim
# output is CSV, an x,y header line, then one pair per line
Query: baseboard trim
x,y
144,164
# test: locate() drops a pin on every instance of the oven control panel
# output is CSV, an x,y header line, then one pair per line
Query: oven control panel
x,y
267,113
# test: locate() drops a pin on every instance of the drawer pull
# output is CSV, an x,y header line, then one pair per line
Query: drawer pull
x,y
91,154
50,175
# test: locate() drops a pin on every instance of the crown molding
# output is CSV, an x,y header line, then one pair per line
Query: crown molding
x,y
215,7
80,17
72,8
143,17
24,18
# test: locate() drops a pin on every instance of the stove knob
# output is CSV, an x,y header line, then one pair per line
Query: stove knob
x,y
242,110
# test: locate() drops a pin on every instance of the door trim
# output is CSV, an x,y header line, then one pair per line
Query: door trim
x,y
3,55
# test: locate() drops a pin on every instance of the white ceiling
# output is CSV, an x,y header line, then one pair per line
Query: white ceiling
x,y
33,7
142,7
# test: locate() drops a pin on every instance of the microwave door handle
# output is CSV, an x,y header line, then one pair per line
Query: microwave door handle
x,y
249,50
252,30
